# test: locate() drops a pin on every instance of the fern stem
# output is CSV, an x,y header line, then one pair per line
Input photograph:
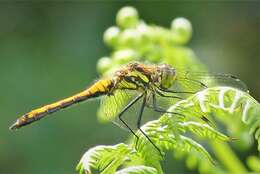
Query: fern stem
x,y
228,158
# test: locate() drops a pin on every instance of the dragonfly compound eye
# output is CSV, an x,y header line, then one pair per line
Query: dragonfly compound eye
x,y
168,76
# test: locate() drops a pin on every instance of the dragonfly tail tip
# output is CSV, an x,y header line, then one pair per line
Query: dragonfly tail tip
x,y
13,126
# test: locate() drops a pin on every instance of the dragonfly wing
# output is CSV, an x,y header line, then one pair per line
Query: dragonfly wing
x,y
196,81
113,104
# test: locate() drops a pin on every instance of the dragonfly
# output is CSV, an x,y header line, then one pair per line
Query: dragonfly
x,y
132,83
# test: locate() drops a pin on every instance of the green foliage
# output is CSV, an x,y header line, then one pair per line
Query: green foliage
x,y
103,158
195,119
169,132
138,170
127,17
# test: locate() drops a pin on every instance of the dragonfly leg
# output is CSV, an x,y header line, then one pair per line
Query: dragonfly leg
x,y
139,123
178,92
120,115
168,96
157,108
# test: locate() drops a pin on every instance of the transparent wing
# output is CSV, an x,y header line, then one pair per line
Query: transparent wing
x,y
112,105
196,81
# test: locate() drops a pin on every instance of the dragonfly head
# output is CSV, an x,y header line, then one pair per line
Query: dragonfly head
x,y
167,76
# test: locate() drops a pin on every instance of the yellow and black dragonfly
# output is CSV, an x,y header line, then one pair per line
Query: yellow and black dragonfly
x,y
133,82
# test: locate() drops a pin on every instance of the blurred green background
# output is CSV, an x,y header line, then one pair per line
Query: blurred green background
x,y
49,51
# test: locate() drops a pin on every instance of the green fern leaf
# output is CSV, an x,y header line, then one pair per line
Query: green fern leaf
x,y
166,139
138,170
228,105
204,130
105,159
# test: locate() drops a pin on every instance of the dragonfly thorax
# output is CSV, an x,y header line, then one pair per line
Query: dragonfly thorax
x,y
167,76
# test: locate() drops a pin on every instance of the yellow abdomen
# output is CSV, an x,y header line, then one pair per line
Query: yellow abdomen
x,y
99,88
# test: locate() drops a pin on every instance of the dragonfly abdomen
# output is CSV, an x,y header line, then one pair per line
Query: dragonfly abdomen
x,y
99,88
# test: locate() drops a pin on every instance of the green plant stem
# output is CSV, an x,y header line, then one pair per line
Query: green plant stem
x,y
228,158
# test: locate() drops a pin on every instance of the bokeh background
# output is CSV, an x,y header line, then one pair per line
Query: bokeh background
x,y
49,50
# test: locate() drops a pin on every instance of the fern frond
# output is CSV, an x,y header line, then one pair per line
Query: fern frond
x,y
167,139
204,130
229,105
105,159
138,170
